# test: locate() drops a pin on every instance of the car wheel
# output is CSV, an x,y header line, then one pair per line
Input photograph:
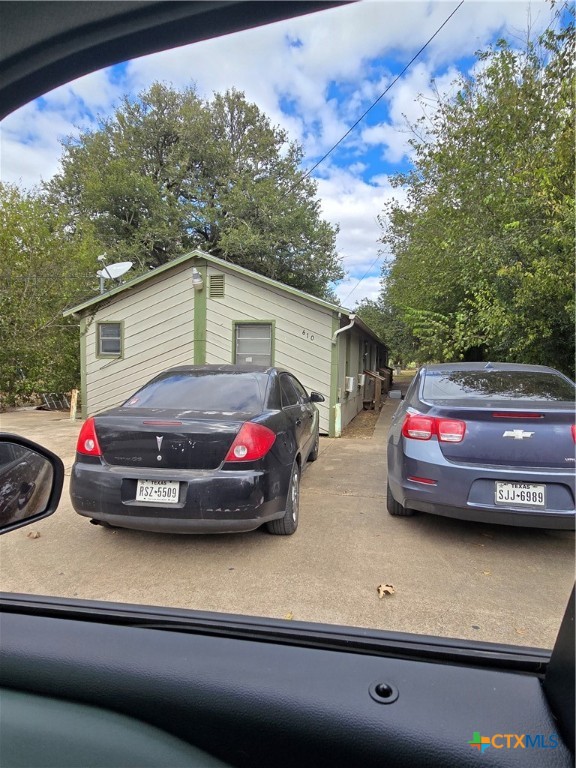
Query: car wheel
x,y
394,508
287,524
313,455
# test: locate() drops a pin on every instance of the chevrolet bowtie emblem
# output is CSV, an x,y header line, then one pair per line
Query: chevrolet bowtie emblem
x,y
159,441
517,434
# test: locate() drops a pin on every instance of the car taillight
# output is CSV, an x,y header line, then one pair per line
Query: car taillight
x,y
450,430
252,443
87,441
418,427
574,432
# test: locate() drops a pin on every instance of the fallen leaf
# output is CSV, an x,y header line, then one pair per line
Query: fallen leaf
x,y
487,573
520,631
289,616
33,535
385,589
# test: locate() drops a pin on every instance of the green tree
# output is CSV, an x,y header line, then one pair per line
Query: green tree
x,y
389,324
170,172
484,247
43,269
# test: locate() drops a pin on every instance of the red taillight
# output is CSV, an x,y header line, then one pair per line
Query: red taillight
x,y
418,427
574,432
87,440
252,443
450,430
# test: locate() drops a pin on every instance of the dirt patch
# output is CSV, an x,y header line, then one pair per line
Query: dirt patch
x,y
362,426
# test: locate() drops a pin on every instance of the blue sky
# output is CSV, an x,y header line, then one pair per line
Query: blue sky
x,y
314,76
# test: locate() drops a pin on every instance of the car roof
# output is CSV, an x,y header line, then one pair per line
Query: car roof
x,y
215,368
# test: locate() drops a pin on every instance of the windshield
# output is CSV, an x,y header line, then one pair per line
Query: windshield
x,y
346,197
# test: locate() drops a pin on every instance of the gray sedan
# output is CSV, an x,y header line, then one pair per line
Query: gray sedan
x,y
487,442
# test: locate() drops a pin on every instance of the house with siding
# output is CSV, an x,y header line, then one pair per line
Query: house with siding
x,y
200,309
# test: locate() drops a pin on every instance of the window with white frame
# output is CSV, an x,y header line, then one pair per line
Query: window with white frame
x,y
253,344
109,339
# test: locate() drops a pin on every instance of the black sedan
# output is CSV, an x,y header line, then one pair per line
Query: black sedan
x,y
487,442
200,449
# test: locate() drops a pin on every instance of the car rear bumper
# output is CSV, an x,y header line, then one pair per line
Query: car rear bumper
x,y
209,502
467,492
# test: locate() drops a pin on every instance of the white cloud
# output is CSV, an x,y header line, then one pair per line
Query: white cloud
x,y
351,291
355,205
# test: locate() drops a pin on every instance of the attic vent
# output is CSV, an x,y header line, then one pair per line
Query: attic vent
x,y
216,286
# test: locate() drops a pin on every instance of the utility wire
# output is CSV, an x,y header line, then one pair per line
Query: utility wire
x,y
371,107
370,268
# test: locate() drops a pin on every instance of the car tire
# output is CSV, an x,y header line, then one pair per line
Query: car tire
x,y
313,455
286,525
394,508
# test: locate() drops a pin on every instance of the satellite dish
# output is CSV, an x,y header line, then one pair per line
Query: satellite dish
x,y
114,271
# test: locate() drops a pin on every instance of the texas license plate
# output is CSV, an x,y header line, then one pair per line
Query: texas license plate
x,y
158,491
521,494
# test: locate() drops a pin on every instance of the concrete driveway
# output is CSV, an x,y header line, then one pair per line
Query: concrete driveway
x,y
450,578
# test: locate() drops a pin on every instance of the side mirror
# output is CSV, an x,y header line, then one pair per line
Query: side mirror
x,y
31,480
316,397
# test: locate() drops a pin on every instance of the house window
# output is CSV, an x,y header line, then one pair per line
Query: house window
x,y
109,340
253,343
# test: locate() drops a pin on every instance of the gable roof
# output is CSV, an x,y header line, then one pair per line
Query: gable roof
x,y
221,263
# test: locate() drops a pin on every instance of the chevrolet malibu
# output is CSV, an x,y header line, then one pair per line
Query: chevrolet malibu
x,y
486,442
200,449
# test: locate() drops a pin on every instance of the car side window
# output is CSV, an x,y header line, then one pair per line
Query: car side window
x,y
412,389
299,388
289,394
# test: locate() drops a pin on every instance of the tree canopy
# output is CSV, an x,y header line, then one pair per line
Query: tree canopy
x,y
169,172
483,250
43,269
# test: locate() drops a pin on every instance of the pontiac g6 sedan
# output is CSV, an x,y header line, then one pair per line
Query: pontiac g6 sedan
x,y
200,449
486,442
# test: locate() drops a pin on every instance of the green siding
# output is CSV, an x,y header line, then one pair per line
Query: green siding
x,y
200,319
83,382
302,330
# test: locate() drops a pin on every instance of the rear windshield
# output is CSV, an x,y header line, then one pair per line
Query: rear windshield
x,y
200,391
496,385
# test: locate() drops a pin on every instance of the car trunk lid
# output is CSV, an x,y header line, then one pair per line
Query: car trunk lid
x,y
167,440
522,436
